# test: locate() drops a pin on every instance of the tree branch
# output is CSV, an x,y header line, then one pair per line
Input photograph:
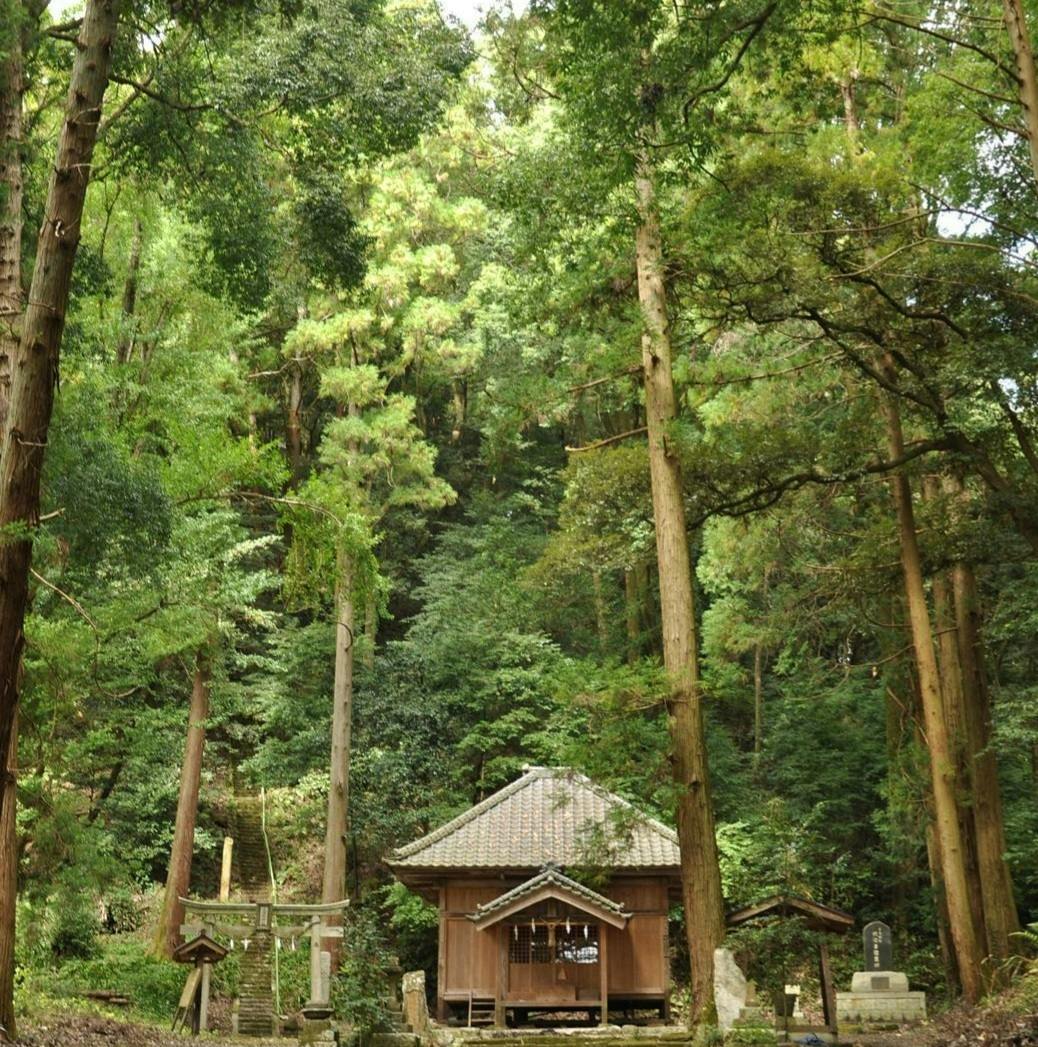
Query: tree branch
x,y
609,440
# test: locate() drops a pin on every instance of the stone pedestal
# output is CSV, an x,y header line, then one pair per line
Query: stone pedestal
x,y
880,996
317,1030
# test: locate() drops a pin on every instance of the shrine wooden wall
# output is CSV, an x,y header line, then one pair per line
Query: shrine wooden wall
x,y
636,956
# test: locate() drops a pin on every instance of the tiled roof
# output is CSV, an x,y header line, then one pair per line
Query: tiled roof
x,y
550,815
549,876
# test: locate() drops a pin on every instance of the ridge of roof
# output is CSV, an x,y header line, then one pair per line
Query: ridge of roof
x,y
531,774
550,874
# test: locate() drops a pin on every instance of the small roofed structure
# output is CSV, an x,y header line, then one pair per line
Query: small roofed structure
x,y
816,917
518,932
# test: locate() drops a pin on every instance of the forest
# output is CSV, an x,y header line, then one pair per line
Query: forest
x,y
390,403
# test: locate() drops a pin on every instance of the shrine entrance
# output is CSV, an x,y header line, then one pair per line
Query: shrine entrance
x,y
551,946
554,958
266,928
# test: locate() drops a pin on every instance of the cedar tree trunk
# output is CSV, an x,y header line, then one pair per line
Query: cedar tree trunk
x,y
700,874
957,716
178,879
1001,918
8,893
35,369
129,333
294,422
943,767
632,614
1020,41
335,839
12,298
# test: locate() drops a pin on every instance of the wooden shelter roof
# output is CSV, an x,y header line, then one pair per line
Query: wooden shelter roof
x,y
550,883
819,917
551,815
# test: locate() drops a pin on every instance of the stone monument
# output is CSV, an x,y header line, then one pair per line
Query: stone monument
x,y
879,993
729,989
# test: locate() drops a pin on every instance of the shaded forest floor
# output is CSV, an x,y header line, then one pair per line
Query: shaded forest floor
x,y
997,1025
1002,1023
91,1030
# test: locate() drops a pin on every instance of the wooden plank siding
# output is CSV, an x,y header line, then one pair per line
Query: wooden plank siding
x,y
636,956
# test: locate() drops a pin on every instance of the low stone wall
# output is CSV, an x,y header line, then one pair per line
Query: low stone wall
x,y
594,1035
878,1006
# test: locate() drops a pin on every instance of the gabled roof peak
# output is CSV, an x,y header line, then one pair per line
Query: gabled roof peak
x,y
548,815
550,882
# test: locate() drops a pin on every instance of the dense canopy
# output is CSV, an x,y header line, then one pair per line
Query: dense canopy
x,y
387,404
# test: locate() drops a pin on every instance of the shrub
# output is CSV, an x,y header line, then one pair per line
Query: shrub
x,y
124,965
125,910
75,932
359,993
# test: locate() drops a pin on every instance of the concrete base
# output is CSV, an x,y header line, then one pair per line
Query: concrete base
x,y
880,1007
879,981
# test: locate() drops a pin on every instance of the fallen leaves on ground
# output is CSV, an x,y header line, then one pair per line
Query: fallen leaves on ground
x,y
82,1030
961,1026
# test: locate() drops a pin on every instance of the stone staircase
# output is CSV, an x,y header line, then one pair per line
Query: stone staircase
x,y
250,850
396,1033
256,995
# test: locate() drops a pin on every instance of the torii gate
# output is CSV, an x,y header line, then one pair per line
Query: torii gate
x,y
239,921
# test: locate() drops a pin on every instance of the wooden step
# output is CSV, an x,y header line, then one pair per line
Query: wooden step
x,y
482,1011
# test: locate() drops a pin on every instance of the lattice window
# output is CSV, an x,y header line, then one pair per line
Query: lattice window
x,y
577,945
528,944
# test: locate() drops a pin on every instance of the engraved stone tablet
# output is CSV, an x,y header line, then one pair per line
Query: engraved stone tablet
x,y
879,948
880,984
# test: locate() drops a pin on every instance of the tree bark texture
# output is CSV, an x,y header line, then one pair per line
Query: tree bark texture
x,y
128,336
632,615
758,701
35,370
1020,40
12,297
1001,919
933,857
601,613
8,893
294,422
943,766
956,716
700,873
178,878
337,823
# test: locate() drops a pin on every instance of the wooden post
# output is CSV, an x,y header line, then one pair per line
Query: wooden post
x,y
203,997
441,961
603,972
825,976
501,990
225,868
316,988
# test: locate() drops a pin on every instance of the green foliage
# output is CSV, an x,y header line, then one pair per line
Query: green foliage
x,y
751,1034
359,993
75,933
427,269
120,963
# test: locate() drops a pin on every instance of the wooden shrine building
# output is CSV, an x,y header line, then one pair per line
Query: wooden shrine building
x,y
520,935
